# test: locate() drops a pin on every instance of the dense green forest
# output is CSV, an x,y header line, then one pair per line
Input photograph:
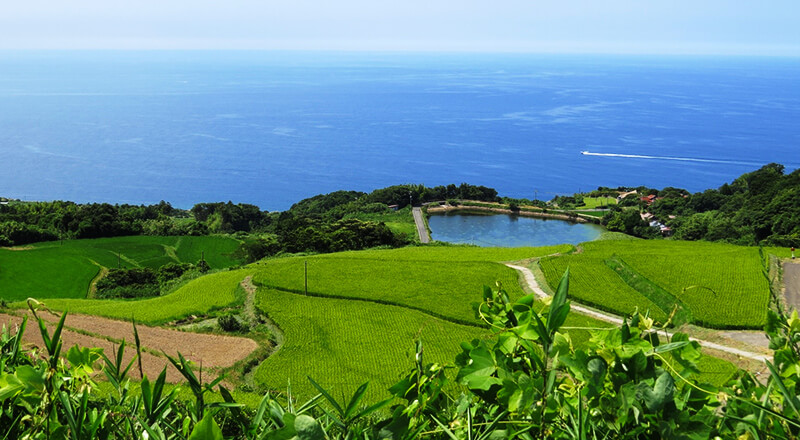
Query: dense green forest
x,y
760,207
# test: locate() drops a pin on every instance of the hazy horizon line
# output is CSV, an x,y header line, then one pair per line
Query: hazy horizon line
x,y
414,51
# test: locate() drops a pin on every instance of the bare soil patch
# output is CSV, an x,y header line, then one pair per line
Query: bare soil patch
x,y
18,248
206,351
151,364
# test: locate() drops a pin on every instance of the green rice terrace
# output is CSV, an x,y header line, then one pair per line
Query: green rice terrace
x,y
66,269
348,317
711,284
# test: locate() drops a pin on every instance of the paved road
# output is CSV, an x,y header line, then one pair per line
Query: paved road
x,y
530,280
422,231
791,279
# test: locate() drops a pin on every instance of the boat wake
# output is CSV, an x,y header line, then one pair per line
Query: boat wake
x,y
683,159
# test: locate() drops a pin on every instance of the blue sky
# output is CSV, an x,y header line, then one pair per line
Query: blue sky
x,y
749,27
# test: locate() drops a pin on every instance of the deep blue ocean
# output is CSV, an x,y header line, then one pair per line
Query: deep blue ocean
x,y
271,128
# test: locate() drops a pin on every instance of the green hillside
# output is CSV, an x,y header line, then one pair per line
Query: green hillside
x,y
197,297
56,270
722,285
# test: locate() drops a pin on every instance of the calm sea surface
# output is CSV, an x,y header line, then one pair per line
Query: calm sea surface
x,y
510,231
272,128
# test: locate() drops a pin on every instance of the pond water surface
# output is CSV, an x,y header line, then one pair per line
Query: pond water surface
x,y
509,231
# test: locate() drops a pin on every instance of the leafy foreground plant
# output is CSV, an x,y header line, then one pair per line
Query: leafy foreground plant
x,y
529,382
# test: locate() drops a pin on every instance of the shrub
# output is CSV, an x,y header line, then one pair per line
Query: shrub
x,y
171,271
230,323
128,283
203,266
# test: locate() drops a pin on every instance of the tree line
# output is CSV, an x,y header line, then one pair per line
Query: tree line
x,y
759,207
315,224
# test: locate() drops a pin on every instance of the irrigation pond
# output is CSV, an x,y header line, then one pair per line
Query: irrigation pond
x,y
509,230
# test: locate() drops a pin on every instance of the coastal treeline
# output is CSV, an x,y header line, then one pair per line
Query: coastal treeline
x,y
338,221
760,207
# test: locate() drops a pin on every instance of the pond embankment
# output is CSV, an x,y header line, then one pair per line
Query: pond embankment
x,y
497,208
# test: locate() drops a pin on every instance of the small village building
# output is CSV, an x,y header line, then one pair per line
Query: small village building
x,y
648,199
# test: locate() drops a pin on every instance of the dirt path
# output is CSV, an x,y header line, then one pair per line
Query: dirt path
x,y
249,309
791,281
422,231
208,351
530,280
252,315
100,275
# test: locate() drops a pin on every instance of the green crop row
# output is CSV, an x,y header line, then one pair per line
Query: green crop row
x,y
439,288
594,283
721,284
454,254
197,297
343,343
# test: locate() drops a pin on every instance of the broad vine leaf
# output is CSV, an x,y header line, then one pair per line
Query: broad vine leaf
x,y
661,393
477,374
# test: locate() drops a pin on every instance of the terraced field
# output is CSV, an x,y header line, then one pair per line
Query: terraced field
x,y
197,297
593,283
366,309
53,270
369,306
721,284
343,343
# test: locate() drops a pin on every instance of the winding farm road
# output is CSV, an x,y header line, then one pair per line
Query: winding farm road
x,y
530,281
422,231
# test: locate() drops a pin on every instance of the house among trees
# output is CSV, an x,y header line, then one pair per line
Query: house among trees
x,y
648,199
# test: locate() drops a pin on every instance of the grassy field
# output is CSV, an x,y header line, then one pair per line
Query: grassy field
x,y
197,297
721,284
597,202
53,270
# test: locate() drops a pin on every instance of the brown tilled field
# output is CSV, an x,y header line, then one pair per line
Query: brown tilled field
x,y
208,351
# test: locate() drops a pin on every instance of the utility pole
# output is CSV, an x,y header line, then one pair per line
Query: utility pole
x,y
305,275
